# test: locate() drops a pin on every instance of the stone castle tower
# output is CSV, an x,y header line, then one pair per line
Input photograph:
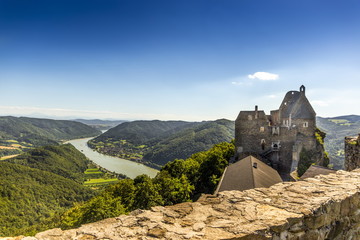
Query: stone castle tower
x,y
278,138
352,153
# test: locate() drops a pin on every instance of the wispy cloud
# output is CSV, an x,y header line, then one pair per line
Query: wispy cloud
x,y
264,76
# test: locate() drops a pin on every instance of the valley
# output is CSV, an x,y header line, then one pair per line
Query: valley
x,y
55,183
154,143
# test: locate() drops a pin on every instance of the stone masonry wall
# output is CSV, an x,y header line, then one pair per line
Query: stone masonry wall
x,y
352,153
325,207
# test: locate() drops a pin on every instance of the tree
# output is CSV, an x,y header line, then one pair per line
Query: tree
x,y
146,193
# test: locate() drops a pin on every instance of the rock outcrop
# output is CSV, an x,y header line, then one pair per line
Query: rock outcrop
x,y
352,153
324,207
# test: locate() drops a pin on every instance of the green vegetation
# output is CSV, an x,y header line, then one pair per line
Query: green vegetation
x,y
178,181
100,181
155,143
304,162
39,185
63,160
336,130
23,133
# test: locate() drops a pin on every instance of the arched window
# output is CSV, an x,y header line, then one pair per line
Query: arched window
x,y
262,142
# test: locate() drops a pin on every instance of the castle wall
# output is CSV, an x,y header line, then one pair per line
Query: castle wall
x,y
352,153
324,207
250,131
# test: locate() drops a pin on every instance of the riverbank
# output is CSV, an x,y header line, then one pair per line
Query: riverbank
x,y
113,164
123,149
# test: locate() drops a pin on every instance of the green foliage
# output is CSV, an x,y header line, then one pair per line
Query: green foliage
x,y
38,185
40,132
304,162
155,143
28,196
178,181
146,193
100,207
63,160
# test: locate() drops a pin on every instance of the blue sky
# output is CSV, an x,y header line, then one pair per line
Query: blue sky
x,y
176,59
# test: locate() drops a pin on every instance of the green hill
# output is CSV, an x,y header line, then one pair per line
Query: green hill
x,y
336,129
24,128
157,142
183,144
140,132
19,134
39,185
63,160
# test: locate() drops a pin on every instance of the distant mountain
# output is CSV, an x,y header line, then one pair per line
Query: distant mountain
x,y
100,124
336,129
157,142
39,132
140,132
40,184
350,118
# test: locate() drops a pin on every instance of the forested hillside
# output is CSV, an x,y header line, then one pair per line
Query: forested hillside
x,y
141,132
20,134
39,185
63,160
178,181
155,143
336,129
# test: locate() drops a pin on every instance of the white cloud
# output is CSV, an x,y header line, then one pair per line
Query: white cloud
x,y
264,76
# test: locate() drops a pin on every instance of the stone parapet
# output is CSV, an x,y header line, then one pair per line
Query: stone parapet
x,y
324,207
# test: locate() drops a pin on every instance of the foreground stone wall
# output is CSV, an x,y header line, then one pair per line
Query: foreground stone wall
x,y
325,207
352,153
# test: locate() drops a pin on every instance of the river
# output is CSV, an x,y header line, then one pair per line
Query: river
x,y
113,164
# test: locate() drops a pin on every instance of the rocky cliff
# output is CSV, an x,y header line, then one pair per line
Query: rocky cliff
x,y
352,153
324,207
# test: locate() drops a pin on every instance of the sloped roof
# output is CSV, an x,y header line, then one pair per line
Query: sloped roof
x,y
296,104
243,175
314,170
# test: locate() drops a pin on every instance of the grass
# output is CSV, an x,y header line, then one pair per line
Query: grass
x,y
100,181
9,156
93,171
342,122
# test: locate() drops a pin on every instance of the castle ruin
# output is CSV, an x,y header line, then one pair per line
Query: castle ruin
x,y
279,138
352,153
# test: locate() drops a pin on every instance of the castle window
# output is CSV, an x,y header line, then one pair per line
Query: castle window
x,y
306,124
249,117
262,144
275,146
262,129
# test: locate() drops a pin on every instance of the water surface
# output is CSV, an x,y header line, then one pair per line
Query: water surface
x,y
113,164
